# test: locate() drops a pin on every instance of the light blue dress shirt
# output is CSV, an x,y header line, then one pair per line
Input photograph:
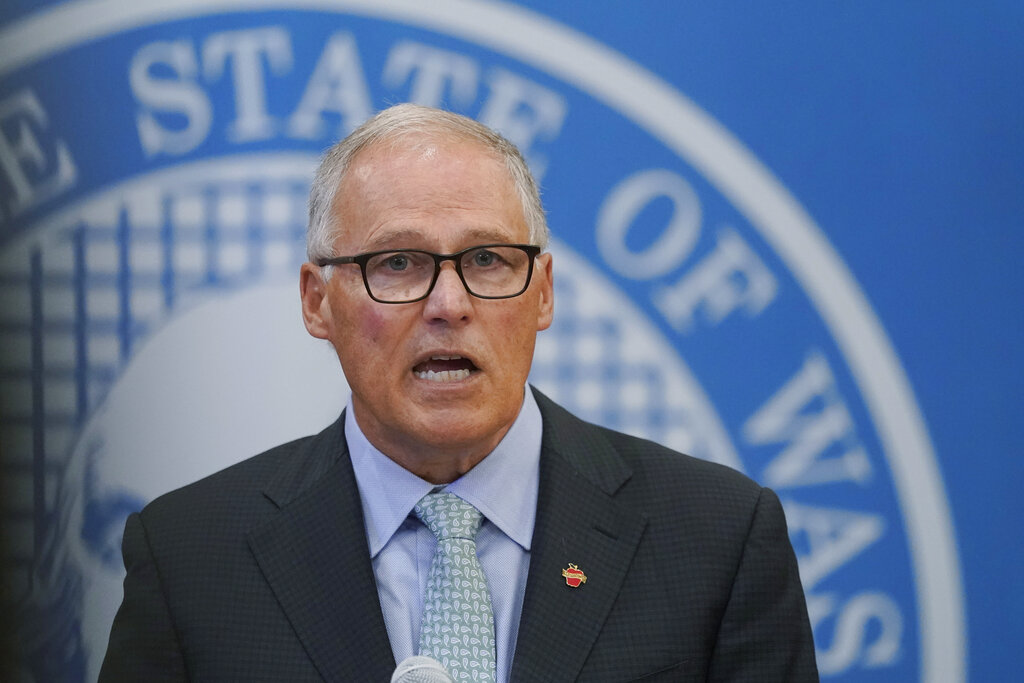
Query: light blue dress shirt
x,y
503,486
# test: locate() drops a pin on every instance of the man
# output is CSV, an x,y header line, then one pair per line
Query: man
x,y
599,557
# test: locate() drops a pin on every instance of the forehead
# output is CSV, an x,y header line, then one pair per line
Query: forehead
x,y
435,190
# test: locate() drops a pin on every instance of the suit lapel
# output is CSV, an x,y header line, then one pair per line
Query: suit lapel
x,y
313,553
579,522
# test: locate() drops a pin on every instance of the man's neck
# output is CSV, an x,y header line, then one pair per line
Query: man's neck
x,y
439,467
437,463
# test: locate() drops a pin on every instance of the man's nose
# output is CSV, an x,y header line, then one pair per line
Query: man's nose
x,y
449,300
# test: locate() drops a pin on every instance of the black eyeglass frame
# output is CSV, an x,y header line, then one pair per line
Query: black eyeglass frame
x,y
532,251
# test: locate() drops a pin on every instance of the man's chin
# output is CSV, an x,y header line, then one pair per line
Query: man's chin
x,y
457,426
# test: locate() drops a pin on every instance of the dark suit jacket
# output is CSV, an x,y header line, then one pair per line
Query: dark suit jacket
x,y
262,572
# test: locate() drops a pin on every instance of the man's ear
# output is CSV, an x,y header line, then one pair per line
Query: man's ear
x,y
546,304
316,311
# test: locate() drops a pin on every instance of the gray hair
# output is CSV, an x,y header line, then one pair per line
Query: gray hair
x,y
394,125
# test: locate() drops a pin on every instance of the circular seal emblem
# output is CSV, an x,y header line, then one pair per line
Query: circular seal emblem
x,y
155,165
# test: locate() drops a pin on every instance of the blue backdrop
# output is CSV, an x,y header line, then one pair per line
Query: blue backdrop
x,y
786,240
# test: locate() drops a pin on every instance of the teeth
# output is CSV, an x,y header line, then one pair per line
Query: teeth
x,y
445,357
444,375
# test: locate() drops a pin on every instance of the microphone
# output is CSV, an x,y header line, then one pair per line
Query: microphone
x,y
420,669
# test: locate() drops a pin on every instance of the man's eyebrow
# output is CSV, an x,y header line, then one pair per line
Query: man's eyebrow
x,y
414,239
395,239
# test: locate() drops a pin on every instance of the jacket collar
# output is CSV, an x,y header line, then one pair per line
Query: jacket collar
x,y
314,555
579,522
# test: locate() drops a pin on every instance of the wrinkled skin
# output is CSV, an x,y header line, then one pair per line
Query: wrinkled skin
x,y
442,197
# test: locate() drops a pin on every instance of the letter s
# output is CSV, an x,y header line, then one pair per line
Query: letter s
x,y
853,624
178,94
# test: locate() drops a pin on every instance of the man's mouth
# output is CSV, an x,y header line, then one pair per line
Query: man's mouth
x,y
445,369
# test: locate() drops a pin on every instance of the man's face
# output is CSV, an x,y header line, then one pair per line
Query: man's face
x,y
442,197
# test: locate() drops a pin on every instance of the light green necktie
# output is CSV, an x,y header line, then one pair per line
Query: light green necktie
x,y
457,628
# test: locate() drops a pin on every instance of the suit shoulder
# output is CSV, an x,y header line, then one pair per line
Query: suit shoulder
x,y
648,472
693,505
242,484
645,455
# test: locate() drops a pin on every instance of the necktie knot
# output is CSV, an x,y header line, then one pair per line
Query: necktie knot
x,y
448,516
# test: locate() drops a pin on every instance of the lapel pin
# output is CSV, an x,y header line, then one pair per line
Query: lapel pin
x,y
574,576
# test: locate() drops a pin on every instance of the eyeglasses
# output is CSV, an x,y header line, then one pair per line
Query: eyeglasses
x,y
488,271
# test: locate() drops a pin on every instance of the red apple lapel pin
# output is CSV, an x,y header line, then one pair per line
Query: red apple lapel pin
x,y
574,576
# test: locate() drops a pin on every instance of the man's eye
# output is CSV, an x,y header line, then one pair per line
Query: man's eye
x,y
484,258
397,262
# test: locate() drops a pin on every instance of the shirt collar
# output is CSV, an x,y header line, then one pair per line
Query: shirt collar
x,y
503,486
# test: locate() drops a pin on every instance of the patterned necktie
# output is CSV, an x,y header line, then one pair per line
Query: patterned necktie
x,y
458,625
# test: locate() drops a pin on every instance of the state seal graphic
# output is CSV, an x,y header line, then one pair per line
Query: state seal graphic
x,y
155,159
